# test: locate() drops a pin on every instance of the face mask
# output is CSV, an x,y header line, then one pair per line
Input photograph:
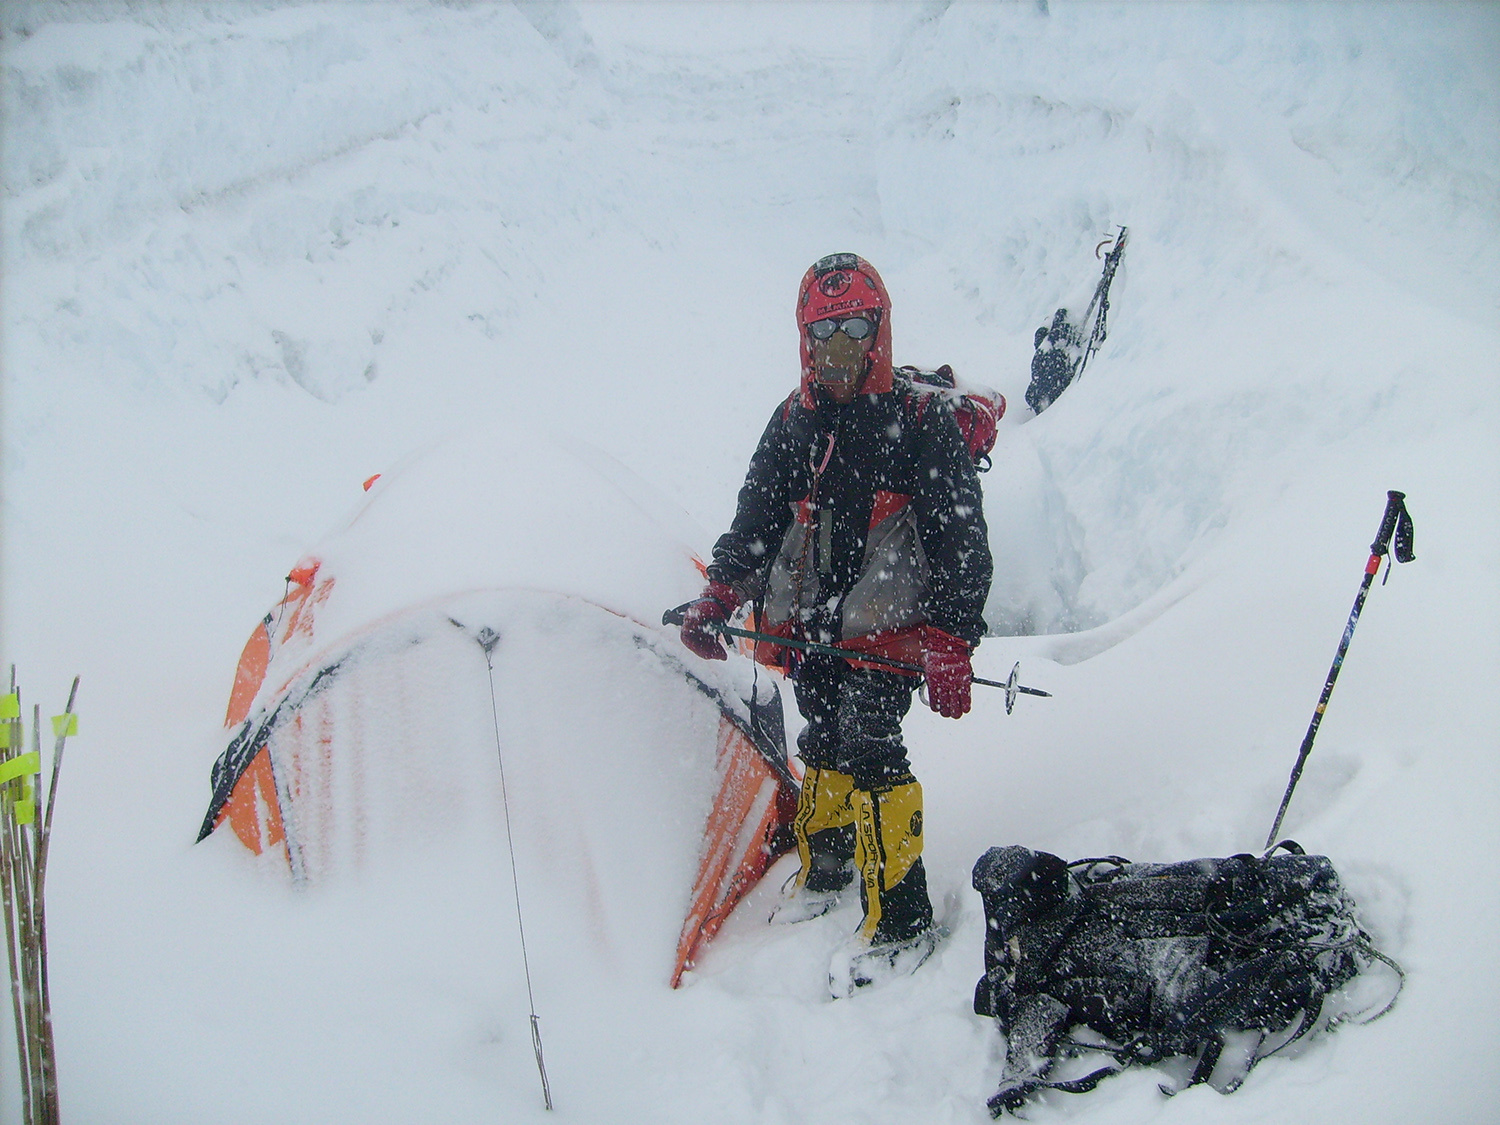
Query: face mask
x,y
840,362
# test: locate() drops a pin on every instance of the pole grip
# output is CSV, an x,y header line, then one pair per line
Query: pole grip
x,y
1395,505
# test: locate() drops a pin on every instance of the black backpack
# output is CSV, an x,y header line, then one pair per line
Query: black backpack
x,y
1058,351
1069,347
1205,966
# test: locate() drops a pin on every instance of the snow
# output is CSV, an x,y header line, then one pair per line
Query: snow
x,y
534,264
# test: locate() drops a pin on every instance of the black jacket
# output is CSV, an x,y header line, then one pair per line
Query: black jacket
x,y
902,445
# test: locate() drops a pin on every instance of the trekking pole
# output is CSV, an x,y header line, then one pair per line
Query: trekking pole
x,y
1395,521
1010,686
487,639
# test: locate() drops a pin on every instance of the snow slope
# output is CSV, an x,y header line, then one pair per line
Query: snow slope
x,y
254,254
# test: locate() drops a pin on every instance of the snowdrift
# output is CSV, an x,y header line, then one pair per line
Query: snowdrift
x,y
252,256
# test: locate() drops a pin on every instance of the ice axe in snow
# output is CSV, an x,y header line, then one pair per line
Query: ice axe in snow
x,y
1010,686
1395,522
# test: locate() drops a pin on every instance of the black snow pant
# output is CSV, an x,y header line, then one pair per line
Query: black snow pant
x,y
854,727
853,720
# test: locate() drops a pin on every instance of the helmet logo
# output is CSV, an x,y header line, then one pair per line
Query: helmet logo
x,y
834,285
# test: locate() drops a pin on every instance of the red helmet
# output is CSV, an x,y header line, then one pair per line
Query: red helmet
x,y
839,285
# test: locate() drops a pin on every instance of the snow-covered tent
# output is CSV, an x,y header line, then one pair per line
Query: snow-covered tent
x,y
378,702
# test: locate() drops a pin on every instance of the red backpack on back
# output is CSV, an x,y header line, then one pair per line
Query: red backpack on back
x,y
977,415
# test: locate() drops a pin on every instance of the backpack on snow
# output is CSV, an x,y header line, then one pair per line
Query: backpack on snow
x,y
977,414
1205,966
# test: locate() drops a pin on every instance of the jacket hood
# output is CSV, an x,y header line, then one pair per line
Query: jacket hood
x,y
843,284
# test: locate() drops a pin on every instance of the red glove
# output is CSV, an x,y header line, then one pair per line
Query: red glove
x,y
945,663
713,606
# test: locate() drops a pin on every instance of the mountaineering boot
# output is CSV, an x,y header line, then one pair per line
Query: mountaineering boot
x,y
897,934
824,828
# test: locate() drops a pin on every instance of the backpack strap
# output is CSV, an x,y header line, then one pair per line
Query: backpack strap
x,y
1291,847
791,400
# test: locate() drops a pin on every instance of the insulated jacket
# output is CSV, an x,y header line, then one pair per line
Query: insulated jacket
x,y
859,523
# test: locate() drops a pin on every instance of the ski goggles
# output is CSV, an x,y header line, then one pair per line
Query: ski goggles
x,y
855,327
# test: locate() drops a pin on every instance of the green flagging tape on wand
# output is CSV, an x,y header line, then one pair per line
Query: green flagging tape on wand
x,y
21,765
26,805
11,733
64,725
